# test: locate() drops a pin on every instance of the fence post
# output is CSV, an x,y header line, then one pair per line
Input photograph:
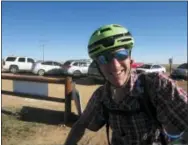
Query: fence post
x,y
76,98
68,97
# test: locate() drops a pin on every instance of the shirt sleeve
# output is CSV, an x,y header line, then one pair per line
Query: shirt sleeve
x,y
92,116
170,100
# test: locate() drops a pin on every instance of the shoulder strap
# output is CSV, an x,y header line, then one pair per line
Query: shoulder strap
x,y
145,101
149,109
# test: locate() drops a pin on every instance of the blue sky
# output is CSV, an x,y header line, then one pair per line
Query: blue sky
x,y
159,28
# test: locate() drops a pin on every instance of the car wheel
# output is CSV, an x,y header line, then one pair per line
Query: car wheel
x,y
77,73
41,72
14,69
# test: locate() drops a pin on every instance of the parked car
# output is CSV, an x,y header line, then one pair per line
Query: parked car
x,y
135,65
47,67
16,64
76,67
181,71
151,68
93,73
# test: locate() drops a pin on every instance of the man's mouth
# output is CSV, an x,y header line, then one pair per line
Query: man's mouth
x,y
116,74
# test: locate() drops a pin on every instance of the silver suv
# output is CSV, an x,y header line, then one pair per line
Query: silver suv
x,y
47,67
16,64
76,67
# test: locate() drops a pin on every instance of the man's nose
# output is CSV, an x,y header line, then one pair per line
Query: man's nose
x,y
114,64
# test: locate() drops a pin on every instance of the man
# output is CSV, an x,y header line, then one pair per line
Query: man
x,y
117,103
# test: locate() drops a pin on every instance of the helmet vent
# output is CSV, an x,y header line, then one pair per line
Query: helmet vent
x,y
106,41
91,51
118,36
123,40
128,34
117,26
104,30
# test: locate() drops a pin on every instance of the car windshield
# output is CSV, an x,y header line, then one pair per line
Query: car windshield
x,y
183,66
145,66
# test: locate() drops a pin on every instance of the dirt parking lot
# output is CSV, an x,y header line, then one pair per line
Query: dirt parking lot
x,y
41,122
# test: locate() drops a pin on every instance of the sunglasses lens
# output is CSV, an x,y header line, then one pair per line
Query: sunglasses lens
x,y
102,60
121,54
107,58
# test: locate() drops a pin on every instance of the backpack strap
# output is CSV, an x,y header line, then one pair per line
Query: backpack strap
x,y
149,109
145,101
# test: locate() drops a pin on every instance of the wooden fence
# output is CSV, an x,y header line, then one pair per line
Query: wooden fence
x,y
70,90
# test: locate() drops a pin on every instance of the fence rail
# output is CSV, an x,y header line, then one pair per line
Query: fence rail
x,y
39,79
67,82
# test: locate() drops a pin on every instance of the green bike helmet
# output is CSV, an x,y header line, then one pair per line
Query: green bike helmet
x,y
109,37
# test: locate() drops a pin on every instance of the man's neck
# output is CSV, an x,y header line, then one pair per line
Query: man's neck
x,y
118,94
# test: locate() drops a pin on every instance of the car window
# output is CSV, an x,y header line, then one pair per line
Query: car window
x,y
76,64
30,60
21,59
11,59
147,66
88,64
183,66
84,64
156,66
47,63
57,64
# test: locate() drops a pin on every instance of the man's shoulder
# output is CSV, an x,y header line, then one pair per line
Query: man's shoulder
x,y
158,80
100,88
99,92
152,77
158,76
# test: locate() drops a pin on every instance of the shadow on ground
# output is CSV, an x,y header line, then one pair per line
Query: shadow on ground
x,y
40,115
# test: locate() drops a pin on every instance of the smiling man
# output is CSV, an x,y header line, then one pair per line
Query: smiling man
x,y
137,107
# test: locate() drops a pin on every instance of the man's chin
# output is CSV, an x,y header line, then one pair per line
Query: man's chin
x,y
118,84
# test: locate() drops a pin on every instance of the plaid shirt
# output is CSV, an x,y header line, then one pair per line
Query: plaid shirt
x,y
170,101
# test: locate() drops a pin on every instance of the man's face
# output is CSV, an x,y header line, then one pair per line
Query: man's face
x,y
116,71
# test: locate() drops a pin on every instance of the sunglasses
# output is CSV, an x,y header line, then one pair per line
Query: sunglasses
x,y
107,57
